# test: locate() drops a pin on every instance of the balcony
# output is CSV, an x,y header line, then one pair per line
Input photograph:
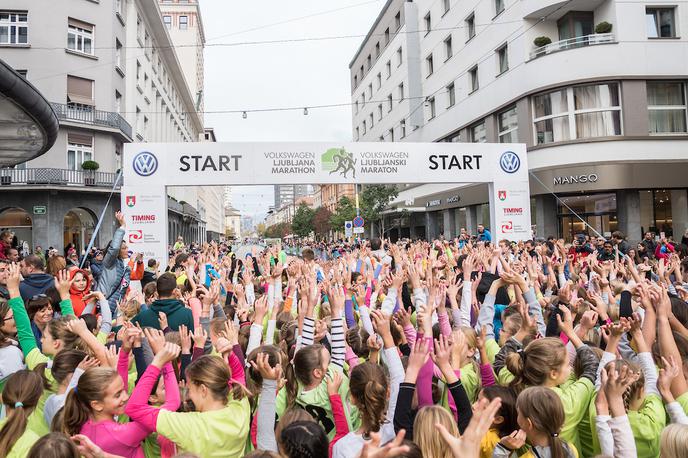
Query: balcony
x,y
572,43
106,120
58,177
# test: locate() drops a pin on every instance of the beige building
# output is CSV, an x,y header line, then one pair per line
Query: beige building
x,y
232,222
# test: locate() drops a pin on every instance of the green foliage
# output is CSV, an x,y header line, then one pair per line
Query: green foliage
x,y
542,41
374,199
346,211
321,221
90,165
603,27
302,224
277,231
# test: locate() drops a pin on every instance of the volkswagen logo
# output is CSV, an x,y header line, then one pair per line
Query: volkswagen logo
x,y
145,164
509,162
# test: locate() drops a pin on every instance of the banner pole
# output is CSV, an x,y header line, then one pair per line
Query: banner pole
x,y
100,220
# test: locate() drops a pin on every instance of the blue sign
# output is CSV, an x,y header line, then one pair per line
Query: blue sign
x,y
510,162
145,164
358,221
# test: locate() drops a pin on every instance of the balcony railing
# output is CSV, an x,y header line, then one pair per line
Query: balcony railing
x,y
92,117
571,43
59,177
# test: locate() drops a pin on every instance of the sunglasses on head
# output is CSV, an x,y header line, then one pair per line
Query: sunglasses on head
x,y
38,296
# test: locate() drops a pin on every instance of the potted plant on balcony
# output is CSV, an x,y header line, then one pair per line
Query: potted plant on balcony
x,y
602,28
540,43
90,168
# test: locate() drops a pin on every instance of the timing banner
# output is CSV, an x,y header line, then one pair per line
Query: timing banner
x,y
150,167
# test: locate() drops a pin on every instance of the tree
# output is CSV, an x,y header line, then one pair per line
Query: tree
x,y
302,224
260,229
278,231
345,211
374,199
321,221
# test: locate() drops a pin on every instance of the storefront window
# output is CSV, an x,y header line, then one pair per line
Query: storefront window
x,y
577,112
583,212
655,211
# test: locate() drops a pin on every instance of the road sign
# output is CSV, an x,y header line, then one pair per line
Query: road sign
x,y
359,221
39,210
358,230
348,226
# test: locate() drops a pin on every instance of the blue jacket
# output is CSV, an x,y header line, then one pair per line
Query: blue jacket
x,y
485,236
115,274
35,284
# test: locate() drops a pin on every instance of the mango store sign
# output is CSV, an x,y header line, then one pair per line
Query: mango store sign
x,y
150,167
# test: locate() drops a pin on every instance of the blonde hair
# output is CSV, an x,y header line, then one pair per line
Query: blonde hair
x,y
426,436
130,309
635,389
674,441
531,366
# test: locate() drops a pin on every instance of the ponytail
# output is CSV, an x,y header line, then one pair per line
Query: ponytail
x,y
91,387
368,387
292,386
21,395
532,365
543,407
557,449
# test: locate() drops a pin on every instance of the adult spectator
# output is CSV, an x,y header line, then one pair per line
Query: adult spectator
x,y
5,243
179,244
97,265
607,253
167,304
484,234
4,273
664,249
39,252
13,255
618,238
151,273
114,277
55,264
649,245
36,281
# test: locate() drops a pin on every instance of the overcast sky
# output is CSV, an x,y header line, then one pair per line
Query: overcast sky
x,y
246,77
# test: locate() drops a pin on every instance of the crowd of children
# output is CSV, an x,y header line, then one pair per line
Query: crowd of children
x,y
409,349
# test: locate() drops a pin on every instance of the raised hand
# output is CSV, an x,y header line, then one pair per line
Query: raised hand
x,y
666,376
119,216
468,445
459,349
185,338
262,365
88,362
62,284
162,319
393,448
200,336
418,357
13,280
515,440
169,352
112,355
156,339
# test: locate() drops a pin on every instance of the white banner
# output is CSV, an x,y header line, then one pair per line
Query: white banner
x,y
150,167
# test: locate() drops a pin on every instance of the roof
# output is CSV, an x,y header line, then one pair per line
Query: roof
x,y
370,32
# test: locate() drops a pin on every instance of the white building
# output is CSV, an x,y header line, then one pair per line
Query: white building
x,y
111,72
603,115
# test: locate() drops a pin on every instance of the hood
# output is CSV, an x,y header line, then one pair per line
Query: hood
x,y
166,305
40,281
75,292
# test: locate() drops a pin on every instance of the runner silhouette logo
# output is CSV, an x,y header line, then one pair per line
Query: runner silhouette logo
x,y
339,160
145,164
510,162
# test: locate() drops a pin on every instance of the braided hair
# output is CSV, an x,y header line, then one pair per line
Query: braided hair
x,y
303,439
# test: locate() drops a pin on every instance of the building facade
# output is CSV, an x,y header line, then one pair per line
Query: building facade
x,y
111,73
596,91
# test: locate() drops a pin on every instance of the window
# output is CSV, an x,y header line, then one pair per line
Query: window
x,y
118,7
446,4
470,26
79,150
379,112
388,65
138,70
428,23
370,118
502,59
386,36
358,134
451,93
666,105
508,126
14,27
473,77
362,73
369,60
499,7
577,112
391,134
364,128
370,91
356,107
379,80
183,22
478,133
397,21
80,93
389,103
80,36
118,54
138,27
377,49
660,22
167,19
429,64
118,102
431,107
400,56
401,92
355,81
448,48
402,128
363,100
23,73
